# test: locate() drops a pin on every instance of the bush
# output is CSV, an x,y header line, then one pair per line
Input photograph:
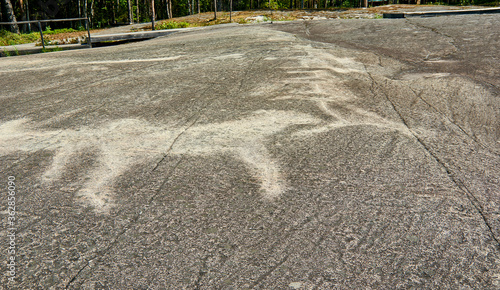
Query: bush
x,y
274,5
52,49
171,25
9,38
56,31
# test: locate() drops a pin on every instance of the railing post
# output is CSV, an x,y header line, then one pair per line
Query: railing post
x,y
41,34
88,32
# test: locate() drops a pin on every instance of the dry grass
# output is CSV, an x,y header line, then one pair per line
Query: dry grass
x,y
69,37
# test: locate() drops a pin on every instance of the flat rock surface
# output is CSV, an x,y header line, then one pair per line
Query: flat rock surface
x,y
299,155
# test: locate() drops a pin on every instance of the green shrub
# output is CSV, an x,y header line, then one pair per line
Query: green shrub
x,y
6,52
9,38
171,25
51,49
56,31
274,5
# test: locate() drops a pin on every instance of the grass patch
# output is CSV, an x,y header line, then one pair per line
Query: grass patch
x,y
6,52
9,38
52,49
242,21
49,31
171,25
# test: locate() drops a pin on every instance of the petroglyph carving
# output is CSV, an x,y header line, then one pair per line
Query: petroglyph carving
x,y
122,143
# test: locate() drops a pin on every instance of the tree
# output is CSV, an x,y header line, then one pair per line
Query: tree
x,y
169,8
215,9
130,17
137,4
11,17
153,16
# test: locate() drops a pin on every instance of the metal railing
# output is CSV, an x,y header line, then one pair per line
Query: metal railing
x,y
89,42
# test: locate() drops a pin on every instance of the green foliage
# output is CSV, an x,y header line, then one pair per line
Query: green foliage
x,y
275,5
52,49
49,31
6,52
171,25
349,4
10,53
9,38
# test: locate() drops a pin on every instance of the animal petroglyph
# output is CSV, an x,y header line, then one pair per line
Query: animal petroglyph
x,y
122,143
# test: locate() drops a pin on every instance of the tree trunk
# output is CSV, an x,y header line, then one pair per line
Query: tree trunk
x,y
198,3
170,14
113,20
137,4
130,17
167,9
215,9
11,17
153,14
23,13
27,16
92,11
